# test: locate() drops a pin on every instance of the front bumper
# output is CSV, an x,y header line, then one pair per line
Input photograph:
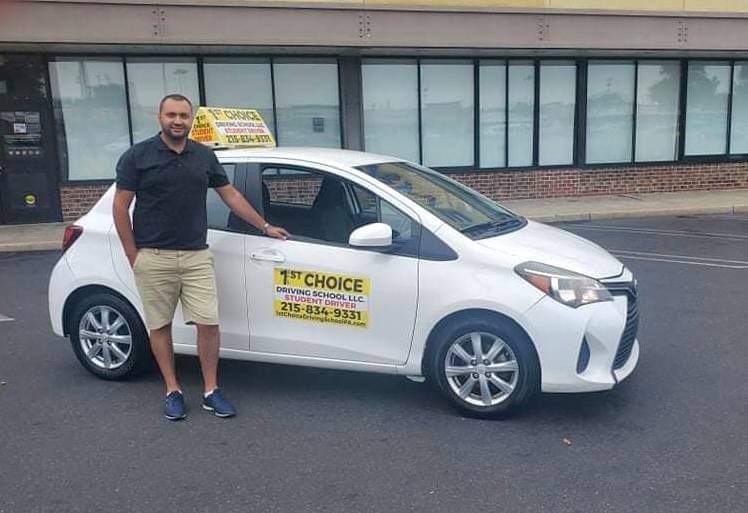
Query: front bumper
x,y
589,348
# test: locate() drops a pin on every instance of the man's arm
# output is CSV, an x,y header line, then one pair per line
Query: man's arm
x,y
241,207
121,213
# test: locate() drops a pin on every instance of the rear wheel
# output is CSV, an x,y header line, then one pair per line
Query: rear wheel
x,y
484,368
108,337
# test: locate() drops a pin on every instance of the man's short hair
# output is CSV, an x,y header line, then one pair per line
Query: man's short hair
x,y
173,96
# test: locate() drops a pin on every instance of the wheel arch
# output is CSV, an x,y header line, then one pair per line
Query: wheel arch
x,y
82,292
471,313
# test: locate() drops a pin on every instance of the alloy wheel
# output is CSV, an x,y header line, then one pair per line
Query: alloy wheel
x,y
105,337
481,369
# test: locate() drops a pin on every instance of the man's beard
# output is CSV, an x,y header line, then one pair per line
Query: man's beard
x,y
172,135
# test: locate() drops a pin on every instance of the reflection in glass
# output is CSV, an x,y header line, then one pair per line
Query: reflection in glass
x,y
149,80
217,211
657,110
447,113
739,127
240,83
492,89
558,82
390,102
521,108
706,108
610,104
89,98
307,103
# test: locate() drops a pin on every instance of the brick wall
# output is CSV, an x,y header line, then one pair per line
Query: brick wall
x,y
298,190
76,200
545,183
549,183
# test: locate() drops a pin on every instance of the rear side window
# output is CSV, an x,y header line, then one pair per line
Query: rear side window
x,y
218,212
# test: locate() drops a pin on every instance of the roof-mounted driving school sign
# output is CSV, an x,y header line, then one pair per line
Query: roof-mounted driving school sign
x,y
229,128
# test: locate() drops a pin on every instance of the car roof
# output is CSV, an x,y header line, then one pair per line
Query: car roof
x,y
326,156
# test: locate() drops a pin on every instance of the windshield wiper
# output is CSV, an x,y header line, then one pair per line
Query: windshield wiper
x,y
491,225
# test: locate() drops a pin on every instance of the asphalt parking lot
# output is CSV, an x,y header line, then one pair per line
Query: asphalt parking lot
x,y
673,438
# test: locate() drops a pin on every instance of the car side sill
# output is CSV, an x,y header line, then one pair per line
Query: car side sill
x,y
284,359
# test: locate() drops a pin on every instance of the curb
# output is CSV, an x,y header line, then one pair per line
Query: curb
x,y
622,214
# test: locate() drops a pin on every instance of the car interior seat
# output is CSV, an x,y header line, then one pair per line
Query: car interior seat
x,y
331,212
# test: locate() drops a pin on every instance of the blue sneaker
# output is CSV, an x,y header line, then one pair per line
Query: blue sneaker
x,y
218,404
174,406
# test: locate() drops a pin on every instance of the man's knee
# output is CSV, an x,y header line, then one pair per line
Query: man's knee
x,y
163,331
207,329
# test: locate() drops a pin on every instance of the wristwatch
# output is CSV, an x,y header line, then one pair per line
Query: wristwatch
x,y
265,227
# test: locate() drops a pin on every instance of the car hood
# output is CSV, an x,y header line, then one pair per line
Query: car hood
x,y
542,243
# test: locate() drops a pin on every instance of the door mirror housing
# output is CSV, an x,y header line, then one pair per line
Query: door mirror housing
x,y
378,235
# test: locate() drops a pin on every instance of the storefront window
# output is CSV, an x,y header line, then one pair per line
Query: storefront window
x,y
90,103
739,126
610,107
390,105
706,108
657,98
149,80
307,103
521,111
240,83
447,105
558,81
492,88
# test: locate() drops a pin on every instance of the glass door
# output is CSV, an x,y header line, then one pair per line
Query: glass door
x,y
28,178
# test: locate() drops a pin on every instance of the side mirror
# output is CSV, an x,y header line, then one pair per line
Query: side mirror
x,y
371,235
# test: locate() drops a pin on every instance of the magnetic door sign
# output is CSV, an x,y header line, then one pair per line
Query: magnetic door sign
x,y
217,127
321,297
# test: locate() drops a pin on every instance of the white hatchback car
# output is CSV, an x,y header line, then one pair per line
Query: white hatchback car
x,y
391,268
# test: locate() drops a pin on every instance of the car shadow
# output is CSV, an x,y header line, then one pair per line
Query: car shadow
x,y
309,385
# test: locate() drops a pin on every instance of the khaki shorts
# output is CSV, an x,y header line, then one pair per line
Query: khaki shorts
x,y
164,276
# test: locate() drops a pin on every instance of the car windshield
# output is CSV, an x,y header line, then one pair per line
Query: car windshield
x,y
461,207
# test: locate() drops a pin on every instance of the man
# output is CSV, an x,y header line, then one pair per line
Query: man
x,y
169,174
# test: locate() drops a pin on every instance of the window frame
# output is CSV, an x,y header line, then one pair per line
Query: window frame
x,y
410,249
580,116
234,224
711,157
59,126
199,60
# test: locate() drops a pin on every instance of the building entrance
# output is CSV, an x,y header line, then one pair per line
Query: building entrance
x,y
28,176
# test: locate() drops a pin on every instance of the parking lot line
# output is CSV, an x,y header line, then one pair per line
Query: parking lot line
x,y
681,259
4,318
653,231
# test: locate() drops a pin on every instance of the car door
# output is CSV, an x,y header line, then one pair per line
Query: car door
x,y
315,296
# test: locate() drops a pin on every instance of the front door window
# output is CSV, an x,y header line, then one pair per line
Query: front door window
x,y
327,209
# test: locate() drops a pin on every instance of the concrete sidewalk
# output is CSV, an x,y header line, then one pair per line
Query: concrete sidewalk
x,y
39,237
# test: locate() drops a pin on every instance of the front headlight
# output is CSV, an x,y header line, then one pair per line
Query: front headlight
x,y
564,286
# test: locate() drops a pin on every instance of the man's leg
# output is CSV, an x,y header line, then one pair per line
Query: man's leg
x,y
208,342
162,348
200,306
207,349
157,279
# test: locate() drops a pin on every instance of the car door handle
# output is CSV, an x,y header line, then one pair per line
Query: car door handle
x,y
268,257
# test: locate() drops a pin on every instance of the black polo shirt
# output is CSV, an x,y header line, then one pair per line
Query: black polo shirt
x,y
170,192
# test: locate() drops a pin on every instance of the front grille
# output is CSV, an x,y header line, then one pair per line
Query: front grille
x,y
629,290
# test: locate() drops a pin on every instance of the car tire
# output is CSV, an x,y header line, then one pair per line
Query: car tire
x,y
109,338
477,389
